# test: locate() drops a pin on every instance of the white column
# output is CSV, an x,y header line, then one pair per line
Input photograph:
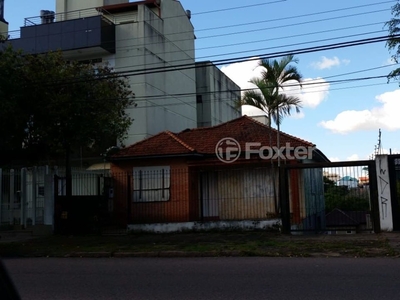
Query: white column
x,y
23,196
34,194
384,199
48,197
11,201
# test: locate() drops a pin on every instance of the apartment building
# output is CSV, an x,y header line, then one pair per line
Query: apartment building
x,y
153,43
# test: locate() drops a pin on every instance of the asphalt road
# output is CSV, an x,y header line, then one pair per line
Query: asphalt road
x,y
206,278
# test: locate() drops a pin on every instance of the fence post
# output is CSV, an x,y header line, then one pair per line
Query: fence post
x,y
11,199
1,195
373,190
129,200
284,199
201,177
34,175
48,197
23,197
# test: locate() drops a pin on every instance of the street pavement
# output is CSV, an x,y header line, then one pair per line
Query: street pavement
x,y
206,278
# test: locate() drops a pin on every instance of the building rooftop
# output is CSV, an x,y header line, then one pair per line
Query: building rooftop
x,y
204,140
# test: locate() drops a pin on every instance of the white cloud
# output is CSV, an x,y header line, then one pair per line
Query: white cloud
x,y
384,116
242,72
389,61
312,94
327,63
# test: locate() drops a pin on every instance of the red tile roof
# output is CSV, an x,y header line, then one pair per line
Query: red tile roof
x,y
204,140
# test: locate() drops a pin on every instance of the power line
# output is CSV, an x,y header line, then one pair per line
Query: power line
x,y
238,7
247,58
294,17
296,44
265,56
294,24
303,90
249,31
262,49
324,12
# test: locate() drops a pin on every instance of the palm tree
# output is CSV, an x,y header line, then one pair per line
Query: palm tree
x,y
278,74
269,97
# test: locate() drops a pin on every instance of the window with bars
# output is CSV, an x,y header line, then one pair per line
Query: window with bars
x,y
151,184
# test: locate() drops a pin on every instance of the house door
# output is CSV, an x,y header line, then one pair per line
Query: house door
x,y
209,195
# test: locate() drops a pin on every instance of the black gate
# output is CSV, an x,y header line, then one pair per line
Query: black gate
x,y
329,198
80,213
394,175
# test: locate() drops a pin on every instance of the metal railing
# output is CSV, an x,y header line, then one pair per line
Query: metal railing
x,y
50,17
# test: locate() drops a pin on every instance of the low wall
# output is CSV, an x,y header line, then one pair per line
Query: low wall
x,y
274,224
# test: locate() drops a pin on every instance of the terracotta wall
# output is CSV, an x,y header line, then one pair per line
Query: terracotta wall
x,y
182,205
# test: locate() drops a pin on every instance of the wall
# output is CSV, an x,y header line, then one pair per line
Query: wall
x,y
3,29
153,42
216,96
179,208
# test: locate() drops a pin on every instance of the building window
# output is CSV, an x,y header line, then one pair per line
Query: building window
x,y
151,184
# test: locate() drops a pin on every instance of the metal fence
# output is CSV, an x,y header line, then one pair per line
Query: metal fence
x,y
331,198
326,198
27,195
164,195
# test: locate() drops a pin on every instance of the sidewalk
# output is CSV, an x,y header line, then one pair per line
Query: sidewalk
x,y
202,244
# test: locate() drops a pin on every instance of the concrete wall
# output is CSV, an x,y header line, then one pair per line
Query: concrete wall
x,y
3,30
153,42
384,197
272,225
216,96
149,38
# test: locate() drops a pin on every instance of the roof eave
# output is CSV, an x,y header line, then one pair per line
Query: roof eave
x,y
124,158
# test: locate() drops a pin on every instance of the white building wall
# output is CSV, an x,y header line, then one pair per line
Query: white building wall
x,y
153,42
218,95
150,38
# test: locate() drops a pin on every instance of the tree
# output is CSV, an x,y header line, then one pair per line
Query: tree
x,y
60,105
12,106
269,95
393,44
278,74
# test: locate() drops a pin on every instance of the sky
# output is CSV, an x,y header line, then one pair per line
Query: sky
x,y
343,108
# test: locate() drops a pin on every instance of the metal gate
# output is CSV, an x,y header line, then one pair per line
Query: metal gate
x,y
329,198
394,178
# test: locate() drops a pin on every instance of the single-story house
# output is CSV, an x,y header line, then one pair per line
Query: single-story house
x,y
348,181
224,172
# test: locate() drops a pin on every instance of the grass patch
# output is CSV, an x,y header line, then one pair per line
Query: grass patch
x,y
240,243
